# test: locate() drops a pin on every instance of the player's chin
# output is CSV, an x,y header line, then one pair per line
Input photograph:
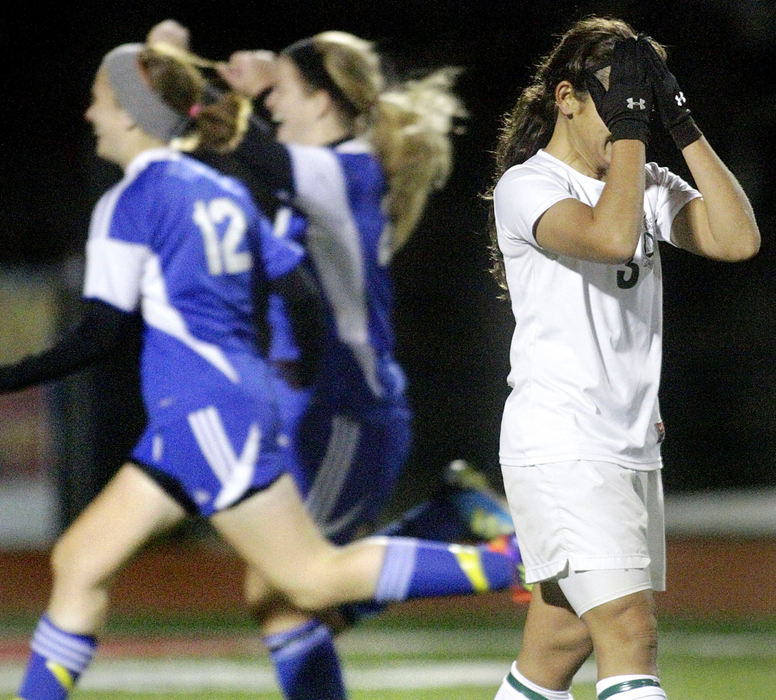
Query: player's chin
x,y
282,133
103,152
604,159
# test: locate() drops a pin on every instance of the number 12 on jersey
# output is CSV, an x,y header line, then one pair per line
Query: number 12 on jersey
x,y
222,252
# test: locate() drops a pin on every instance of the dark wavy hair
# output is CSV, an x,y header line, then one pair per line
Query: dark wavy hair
x,y
588,44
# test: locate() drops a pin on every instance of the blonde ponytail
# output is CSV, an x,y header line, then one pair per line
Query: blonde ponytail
x,y
411,133
408,124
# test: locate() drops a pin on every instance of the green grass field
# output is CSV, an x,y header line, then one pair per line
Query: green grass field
x,y
402,657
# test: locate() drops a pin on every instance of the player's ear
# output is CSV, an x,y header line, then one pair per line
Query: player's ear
x,y
323,102
566,99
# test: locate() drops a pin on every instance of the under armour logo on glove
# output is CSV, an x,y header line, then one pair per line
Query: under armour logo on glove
x,y
636,104
669,98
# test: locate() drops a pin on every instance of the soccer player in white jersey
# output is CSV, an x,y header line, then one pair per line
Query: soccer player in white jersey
x,y
187,246
578,216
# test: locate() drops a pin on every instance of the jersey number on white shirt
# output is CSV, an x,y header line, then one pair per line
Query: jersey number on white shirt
x,y
627,280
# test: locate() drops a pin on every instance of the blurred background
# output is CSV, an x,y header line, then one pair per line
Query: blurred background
x,y
59,443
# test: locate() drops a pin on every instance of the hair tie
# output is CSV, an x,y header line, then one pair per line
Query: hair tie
x,y
194,110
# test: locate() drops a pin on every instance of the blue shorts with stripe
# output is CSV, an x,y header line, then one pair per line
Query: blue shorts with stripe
x,y
210,442
346,463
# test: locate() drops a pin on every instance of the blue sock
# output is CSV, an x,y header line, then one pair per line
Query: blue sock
x,y
57,660
434,519
422,569
449,569
306,663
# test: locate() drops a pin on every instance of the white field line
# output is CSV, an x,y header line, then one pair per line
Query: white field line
x,y
182,674
185,675
503,643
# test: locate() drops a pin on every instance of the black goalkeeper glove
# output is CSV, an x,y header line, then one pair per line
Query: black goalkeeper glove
x,y
626,106
670,100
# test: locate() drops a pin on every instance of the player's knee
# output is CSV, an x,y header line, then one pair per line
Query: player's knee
x,y
74,569
311,589
635,630
64,561
256,591
574,642
633,613
309,597
627,625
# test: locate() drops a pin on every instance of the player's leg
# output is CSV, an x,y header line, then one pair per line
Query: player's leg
x,y
300,645
349,466
617,605
346,467
360,459
624,632
130,509
349,469
306,661
314,574
463,508
555,644
598,557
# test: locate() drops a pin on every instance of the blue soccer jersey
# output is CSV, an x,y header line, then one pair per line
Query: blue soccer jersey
x,y
350,434
348,239
187,245
341,190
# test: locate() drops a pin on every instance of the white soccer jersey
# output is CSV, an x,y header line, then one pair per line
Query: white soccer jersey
x,y
586,352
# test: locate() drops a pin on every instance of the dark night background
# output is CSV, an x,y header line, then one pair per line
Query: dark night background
x,y
718,393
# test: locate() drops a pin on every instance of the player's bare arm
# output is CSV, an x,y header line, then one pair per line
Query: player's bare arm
x,y
722,224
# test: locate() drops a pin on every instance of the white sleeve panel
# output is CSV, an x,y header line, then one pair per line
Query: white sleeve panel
x,y
114,270
333,240
321,191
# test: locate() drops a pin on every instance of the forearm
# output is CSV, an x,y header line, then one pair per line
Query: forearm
x,y
95,337
267,158
619,212
730,231
306,312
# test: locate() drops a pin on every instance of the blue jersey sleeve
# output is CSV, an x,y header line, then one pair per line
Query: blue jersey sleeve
x,y
278,255
288,225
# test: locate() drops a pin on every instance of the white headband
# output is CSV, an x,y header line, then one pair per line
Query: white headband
x,y
144,105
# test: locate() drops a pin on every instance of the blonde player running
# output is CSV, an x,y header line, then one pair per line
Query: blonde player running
x,y
578,216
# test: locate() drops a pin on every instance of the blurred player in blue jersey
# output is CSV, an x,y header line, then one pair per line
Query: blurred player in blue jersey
x,y
356,162
187,246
